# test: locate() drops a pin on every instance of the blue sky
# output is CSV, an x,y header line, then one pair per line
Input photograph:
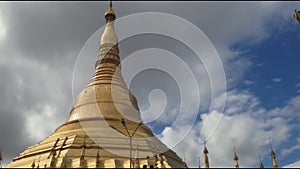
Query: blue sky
x,y
258,43
277,57
274,74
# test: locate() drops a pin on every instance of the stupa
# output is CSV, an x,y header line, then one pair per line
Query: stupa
x,y
105,108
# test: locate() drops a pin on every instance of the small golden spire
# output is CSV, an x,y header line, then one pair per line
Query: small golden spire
x,y
110,14
33,163
38,166
236,159
274,162
97,159
261,165
296,15
205,152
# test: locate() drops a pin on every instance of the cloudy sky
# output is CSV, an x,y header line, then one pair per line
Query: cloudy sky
x,y
258,44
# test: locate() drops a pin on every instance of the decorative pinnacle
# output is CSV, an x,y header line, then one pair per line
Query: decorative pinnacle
x,y
205,151
272,152
273,155
110,14
236,158
33,163
261,165
38,166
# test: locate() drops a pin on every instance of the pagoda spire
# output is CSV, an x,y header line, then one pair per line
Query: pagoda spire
x,y
205,152
274,162
236,159
109,51
109,36
33,163
38,166
110,14
102,103
261,165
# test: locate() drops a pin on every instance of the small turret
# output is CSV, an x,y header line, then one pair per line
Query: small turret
x,y
110,14
236,159
38,165
274,162
109,36
205,152
33,164
296,15
261,165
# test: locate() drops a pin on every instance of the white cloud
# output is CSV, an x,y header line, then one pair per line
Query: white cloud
x,y
39,95
244,125
37,119
298,85
259,64
287,151
249,82
158,104
290,111
242,108
269,86
277,79
295,164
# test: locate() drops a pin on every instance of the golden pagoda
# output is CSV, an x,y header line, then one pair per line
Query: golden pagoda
x,y
104,109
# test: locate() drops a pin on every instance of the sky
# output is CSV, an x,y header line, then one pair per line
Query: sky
x,y
257,42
